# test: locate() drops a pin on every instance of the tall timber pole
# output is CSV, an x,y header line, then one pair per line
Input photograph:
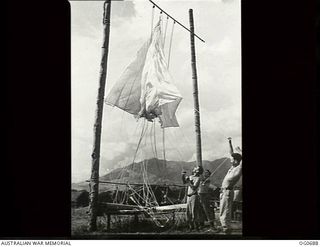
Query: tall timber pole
x,y
94,180
195,91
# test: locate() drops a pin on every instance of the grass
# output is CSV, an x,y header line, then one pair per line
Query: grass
x,y
127,224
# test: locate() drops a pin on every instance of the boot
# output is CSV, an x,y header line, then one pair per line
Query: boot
x,y
201,225
191,227
196,226
212,228
226,230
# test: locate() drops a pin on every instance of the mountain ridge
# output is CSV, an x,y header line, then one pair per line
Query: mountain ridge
x,y
160,172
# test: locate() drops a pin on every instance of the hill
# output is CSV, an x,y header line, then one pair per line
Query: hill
x,y
160,173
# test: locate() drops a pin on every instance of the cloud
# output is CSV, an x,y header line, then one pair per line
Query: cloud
x,y
117,154
219,80
86,16
229,1
80,159
216,127
221,47
123,10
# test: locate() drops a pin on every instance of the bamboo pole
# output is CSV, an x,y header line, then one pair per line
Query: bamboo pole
x,y
94,180
195,91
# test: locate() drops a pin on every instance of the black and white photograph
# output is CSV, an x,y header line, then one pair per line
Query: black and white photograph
x,y
128,120
156,118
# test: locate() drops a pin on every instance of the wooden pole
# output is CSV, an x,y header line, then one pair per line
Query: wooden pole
x,y
195,91
94,180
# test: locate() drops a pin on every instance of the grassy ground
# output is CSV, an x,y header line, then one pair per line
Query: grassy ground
x,y
164,225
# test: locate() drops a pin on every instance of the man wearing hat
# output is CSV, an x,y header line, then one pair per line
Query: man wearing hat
x,y
226,196
193,202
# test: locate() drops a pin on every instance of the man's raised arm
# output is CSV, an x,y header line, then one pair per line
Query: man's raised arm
x,y
230,145
185,178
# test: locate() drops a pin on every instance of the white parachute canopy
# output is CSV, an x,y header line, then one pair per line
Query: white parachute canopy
x,y
146,89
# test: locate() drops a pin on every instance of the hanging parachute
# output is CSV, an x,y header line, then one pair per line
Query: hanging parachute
x,y
146,89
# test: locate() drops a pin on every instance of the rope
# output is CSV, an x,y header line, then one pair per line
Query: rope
x,y
125,195
187,141
149,198
160,20
219,166
124,168
147,184
170,43
174,146
215,169
152,17
121,121
133,190
145,195
155,140
140,139
152,142
165,31
116,196
145,189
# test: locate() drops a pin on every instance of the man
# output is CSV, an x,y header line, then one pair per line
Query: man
x,y
193,202
226,196
204,195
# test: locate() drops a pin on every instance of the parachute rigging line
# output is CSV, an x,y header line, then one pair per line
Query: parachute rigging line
x,y
148,212
152,16
165,31
124,168
174,146
149,198
169,54
155,140
170,43
160,19
151,142
216,169
143,131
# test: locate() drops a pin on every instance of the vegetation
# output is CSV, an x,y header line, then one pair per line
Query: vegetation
x,y
142,224
124,224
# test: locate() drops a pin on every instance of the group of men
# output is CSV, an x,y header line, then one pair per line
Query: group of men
x,y
198,195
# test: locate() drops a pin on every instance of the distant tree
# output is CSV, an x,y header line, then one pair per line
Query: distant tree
x,y
82,199
106,196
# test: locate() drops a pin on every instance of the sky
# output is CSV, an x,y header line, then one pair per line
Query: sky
x,y
218,22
